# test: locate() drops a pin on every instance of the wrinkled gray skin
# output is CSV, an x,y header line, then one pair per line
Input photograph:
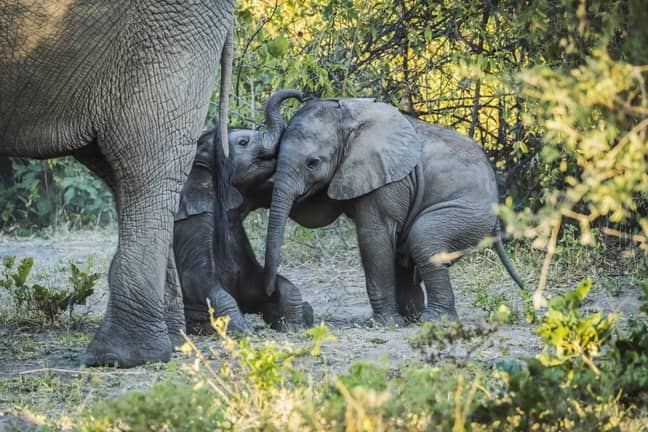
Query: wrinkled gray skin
x,y
253,154
123,87
414,190
213,253
253,158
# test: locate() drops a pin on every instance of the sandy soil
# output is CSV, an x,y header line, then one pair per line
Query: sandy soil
x,y
333,285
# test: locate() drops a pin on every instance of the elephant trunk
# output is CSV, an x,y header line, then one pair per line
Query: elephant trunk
x,y
279,210
273,119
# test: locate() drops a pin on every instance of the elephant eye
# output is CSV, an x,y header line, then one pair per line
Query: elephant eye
x,y
312,163
243,142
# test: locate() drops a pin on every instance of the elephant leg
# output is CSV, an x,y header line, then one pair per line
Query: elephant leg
x,y
432,234
284,310
134,330
440,298
273,315
146,180
174,317
409,295
377,244
225,305
295,314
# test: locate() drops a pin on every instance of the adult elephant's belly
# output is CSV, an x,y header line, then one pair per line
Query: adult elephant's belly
x,y
51,62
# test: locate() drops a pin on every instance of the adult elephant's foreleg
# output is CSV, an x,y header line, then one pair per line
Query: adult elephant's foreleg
x,y
175,318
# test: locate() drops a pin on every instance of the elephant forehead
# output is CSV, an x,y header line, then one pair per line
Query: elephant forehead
x,y
315,127
239,133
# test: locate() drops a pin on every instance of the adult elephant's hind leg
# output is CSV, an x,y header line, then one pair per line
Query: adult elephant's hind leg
x,y
175,319
148,178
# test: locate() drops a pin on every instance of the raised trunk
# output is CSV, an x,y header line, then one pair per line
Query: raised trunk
x,y
273,119
279,210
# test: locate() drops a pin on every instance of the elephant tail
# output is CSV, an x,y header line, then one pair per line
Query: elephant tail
x,y
499,248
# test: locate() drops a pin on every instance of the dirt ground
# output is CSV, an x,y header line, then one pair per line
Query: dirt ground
x,y
39,366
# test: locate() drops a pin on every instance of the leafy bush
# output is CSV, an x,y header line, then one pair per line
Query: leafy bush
x,y
54,192
575,383
169,405
40,300
251,388
589,377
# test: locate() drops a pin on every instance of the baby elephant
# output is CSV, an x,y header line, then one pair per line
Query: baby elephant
x,y
214,257
419,195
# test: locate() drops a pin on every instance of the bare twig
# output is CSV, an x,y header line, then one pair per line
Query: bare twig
x,y
538,297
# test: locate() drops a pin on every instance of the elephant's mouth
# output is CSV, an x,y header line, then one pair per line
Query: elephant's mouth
x,y
201,164
267,162
267,157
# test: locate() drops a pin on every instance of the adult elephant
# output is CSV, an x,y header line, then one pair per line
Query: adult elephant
x,y
123,86
414,190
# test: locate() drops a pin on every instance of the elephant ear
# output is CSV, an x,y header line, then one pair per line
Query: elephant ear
x,y
195,200
382,147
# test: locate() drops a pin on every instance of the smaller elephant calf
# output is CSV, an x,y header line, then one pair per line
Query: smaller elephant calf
x,y
213,254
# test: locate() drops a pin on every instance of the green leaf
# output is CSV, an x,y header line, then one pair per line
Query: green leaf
x,y
68,196
23,270
8,261
278,47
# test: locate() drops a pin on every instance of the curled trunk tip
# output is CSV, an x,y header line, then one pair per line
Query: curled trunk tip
x,y
273,119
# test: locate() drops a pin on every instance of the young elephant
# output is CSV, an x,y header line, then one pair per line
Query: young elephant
x,y
253,154
416,192
214,257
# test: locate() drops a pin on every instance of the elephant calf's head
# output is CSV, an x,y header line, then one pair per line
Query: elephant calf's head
x,y
254,154
252,162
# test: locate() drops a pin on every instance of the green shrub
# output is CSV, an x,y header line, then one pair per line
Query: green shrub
x,y
576,382
52,192
589,377
631,356
44,301
254,386
169,405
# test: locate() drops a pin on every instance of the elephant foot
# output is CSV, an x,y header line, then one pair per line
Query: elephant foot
x,y
430,314
122,349
308,314
175,328
287,327
236,326
239,326
387,320
279,323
